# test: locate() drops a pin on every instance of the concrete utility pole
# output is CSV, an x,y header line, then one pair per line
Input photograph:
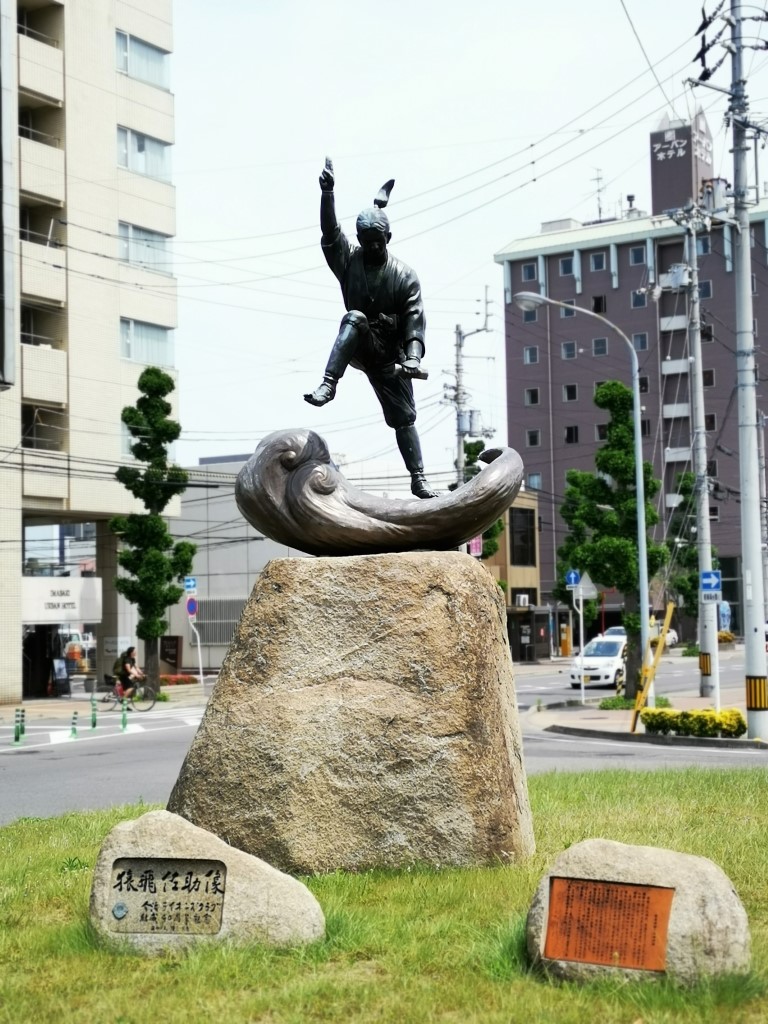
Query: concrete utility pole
x,y
467,420
751,555
692,217
753,622
763,509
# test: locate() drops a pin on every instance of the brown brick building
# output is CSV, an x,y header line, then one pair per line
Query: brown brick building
x,y
628,270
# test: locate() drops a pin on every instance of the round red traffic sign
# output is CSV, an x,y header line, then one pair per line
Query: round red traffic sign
x,y
191,606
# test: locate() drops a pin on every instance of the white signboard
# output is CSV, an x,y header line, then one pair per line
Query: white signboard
x,y
60,599
112,646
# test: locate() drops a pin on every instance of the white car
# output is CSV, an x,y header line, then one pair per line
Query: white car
x,y
603,663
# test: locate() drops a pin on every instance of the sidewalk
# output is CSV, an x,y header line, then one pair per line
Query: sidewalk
x,y
190,695
577,719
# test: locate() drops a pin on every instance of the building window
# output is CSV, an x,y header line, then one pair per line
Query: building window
x,y
645,428
530,316
533,438
533,482
566,266
708,378
568,349
599,304
598,384
637,255
714,513
703,245
530,354
710,422
640,342
707,332
597,261
754,284
643,385
138,59
143,154
529,272
568,312
143,248
531,396
601,431
522,535
570,392
705,289
639,299
712,467
146,343
599,346
571,435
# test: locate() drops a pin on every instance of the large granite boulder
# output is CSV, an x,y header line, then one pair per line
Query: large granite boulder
x,y
161,883
642,911
364,716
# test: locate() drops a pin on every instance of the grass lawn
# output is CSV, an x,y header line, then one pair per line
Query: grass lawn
x,y
406,947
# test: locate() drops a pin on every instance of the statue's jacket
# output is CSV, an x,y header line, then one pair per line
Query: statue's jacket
x,y
389,296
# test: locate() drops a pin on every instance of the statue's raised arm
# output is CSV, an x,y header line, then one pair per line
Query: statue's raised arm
x,y
328,222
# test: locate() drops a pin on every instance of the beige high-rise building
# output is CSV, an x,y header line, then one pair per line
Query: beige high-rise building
x,y
88,300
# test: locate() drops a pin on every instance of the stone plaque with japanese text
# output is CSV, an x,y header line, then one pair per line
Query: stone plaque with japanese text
x,y
181,897
611,923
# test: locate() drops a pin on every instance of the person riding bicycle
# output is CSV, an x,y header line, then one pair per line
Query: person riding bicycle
x,y
130,673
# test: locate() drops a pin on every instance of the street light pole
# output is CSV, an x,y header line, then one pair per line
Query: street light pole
x,y
532,300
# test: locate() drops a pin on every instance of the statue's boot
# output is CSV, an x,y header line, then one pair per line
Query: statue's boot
x,y
325,393
343,351
410,448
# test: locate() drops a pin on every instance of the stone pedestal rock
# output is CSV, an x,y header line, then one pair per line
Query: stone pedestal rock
x,y
364,716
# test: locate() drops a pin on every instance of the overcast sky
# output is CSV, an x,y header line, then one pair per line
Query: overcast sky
x,y
490,118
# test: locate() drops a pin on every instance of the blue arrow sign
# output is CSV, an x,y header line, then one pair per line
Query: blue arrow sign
x,y
190,583
711,580
573,577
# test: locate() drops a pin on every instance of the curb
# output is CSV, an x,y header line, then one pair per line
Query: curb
x,y
664,741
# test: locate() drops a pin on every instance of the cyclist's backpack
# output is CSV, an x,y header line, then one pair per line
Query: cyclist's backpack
x,y
117,668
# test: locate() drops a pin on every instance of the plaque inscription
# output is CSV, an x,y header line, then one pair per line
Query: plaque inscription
x,y
612,923
158,894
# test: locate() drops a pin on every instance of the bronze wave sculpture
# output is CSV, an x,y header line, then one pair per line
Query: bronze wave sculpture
x,y
291,492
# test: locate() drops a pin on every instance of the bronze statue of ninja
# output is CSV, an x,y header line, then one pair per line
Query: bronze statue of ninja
x,y
382,332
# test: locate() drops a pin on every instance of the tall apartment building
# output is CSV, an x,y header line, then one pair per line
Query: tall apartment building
x,y
627,269
88,299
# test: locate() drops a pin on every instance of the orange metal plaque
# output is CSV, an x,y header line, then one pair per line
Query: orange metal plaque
x,y
609,923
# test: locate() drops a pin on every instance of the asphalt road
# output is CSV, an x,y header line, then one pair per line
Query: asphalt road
x,y
50,773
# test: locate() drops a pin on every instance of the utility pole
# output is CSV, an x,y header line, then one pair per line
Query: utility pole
x,y
467,420
746,382
692,217
763,509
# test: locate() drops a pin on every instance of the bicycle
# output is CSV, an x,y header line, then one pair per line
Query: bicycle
x,y
142,699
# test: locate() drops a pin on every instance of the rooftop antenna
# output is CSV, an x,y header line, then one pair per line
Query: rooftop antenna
x,y
598,179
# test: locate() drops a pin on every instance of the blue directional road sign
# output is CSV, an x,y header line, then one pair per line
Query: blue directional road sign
x,y
711,580
710,586
190,584
573,578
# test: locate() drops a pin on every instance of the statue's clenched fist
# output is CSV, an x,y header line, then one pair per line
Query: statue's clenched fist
x,y
326,178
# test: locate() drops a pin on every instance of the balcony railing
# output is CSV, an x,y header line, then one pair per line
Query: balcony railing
x,y
32,133
25,30
30,338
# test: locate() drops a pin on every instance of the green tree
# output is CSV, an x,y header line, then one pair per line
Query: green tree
x,y
600,510
153,563
472,452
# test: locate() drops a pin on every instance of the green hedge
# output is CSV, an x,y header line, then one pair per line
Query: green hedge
x,y
729,722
